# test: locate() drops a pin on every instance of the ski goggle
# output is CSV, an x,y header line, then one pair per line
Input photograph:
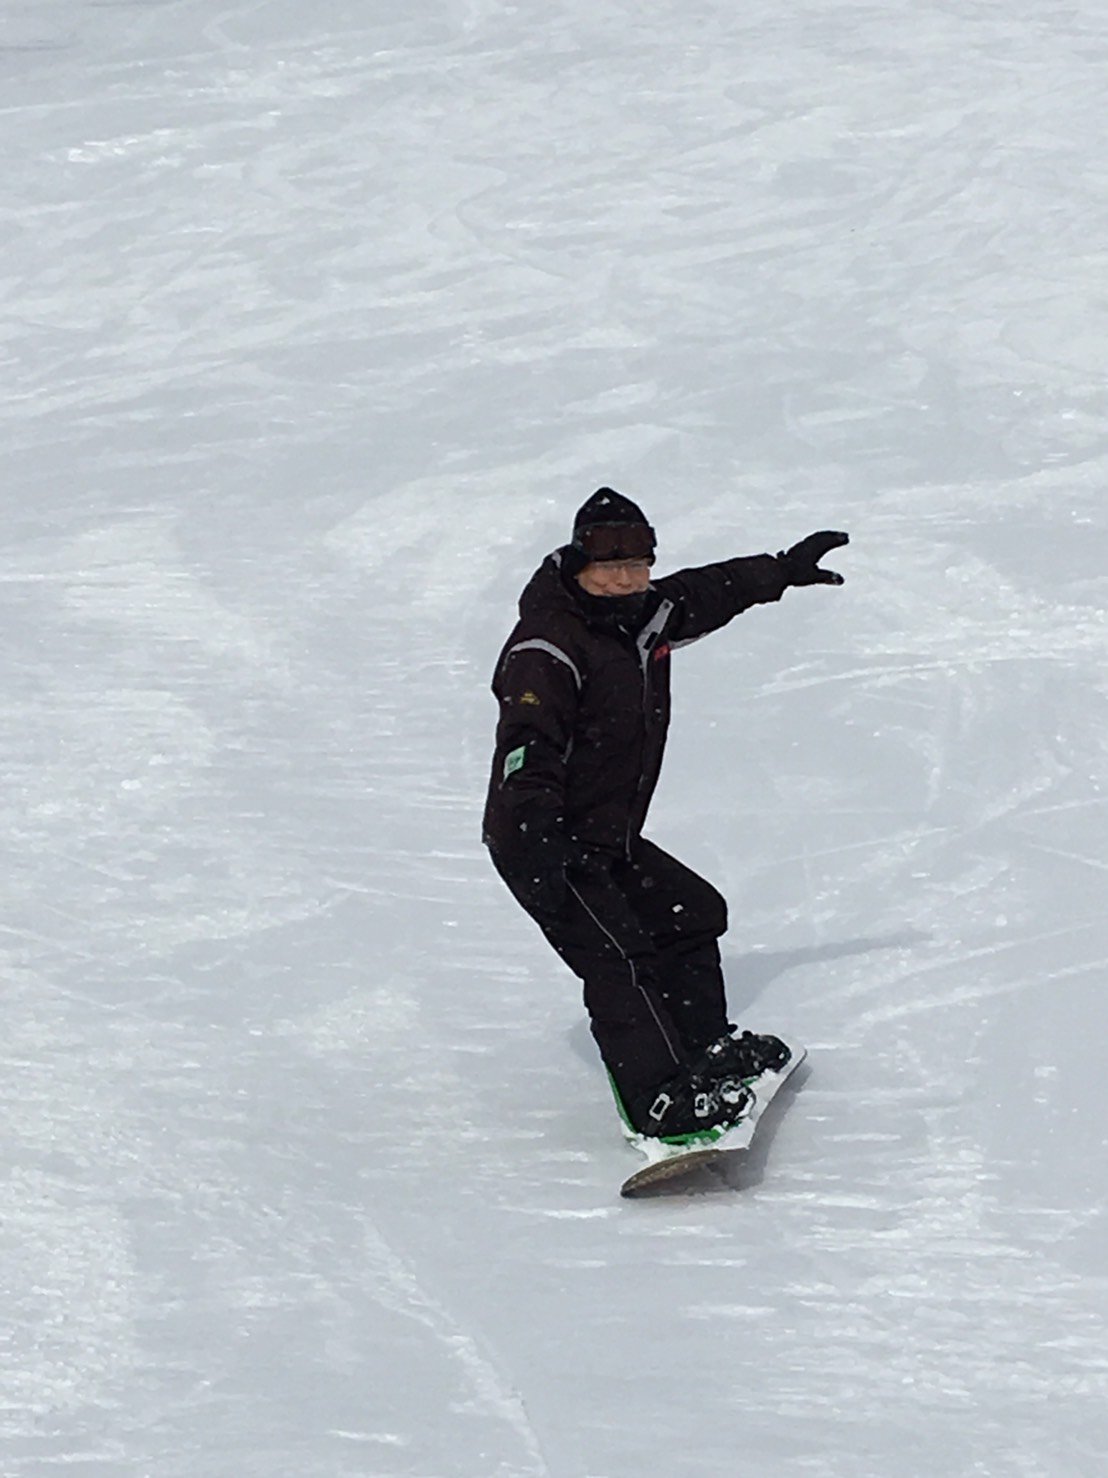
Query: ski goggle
x,y
609,541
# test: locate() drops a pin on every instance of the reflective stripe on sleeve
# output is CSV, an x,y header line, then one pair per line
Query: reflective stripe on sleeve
x,y
536,645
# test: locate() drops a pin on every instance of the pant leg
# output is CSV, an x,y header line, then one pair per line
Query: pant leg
x,y
684,915
602,940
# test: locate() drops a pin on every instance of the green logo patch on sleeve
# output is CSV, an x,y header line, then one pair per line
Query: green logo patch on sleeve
x,y
514,761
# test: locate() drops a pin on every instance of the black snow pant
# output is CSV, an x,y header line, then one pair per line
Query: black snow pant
x,y
642,934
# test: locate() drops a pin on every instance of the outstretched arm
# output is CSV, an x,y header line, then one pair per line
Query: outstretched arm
x,y
708,597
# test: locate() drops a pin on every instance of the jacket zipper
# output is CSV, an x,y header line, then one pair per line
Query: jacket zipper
x,y
644,663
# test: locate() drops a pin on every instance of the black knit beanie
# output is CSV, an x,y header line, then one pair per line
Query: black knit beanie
x,y
606,506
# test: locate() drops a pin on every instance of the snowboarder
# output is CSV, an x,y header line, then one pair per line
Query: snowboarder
x,y
583,689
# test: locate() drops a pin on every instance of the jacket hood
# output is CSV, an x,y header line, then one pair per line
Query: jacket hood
x,y
546,592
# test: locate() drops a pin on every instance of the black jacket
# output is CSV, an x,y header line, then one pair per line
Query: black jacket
x,y
584,705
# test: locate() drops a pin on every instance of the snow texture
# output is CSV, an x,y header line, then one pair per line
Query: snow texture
x,y
318,322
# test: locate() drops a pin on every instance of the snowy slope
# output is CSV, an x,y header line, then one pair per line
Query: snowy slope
x,y
317,324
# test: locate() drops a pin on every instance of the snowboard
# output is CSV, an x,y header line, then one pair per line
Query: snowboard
x,y
667,1162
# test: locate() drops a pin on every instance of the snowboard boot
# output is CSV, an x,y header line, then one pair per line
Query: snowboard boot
x,y
698,1104
746,1056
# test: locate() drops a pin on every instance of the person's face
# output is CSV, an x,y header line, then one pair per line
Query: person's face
x,y
615,577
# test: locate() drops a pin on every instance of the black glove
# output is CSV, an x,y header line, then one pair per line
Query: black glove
x,y
541,876
800,564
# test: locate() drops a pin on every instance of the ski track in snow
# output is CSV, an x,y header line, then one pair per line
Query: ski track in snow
x,y
397,1285
314,328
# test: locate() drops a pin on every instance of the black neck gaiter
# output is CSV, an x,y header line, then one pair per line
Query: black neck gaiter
x,y
614,612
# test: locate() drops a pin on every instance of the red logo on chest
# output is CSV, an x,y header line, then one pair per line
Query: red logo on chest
x,y
660,653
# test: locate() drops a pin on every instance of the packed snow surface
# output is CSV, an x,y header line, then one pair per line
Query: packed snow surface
x,y
318,322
